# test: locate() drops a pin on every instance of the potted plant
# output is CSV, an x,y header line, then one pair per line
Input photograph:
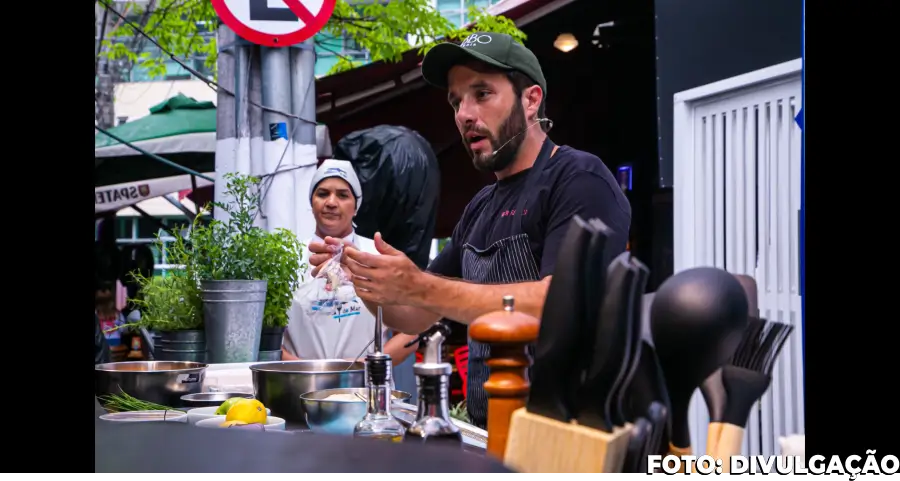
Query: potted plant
x,y
247,274
170,305
282,269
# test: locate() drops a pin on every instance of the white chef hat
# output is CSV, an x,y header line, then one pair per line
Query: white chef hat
x,y
337,168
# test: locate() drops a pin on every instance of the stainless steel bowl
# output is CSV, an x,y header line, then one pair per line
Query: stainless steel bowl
x,y
209,399
161,382
278,385
338,416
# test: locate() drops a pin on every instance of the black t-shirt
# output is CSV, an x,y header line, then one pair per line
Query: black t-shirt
x,y
571,182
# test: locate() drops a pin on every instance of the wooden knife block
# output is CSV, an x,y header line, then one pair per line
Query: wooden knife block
x,y
538,444
527,442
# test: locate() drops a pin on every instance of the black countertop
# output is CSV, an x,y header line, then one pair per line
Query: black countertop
x,y
180,448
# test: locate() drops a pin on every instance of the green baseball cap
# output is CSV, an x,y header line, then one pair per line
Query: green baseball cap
x,y
497,49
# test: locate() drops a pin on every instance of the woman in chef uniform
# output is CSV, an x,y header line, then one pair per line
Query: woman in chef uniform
x,y
338,333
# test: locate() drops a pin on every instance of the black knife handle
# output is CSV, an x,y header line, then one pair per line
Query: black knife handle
x,y
554,374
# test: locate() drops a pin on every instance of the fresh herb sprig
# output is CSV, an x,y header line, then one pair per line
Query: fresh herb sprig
x,y
124,402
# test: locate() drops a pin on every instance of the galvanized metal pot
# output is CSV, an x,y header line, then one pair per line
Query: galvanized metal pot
x,y
271,338
187,345
161,382
279,385
233,316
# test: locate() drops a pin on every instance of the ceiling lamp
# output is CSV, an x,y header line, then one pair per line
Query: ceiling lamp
x,y
566,42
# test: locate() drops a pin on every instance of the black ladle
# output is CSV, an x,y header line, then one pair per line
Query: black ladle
x,y
697,320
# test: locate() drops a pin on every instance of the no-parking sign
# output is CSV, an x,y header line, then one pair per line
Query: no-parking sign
x,y
275,23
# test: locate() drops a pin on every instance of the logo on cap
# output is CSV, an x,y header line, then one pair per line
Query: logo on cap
x,y
476,39
336,170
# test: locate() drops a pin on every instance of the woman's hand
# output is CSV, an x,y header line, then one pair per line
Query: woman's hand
x,y
320,252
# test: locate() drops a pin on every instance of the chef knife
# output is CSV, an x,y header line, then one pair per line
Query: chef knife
x,y
635,457
555,374
606,366
633,345
596,262
648,386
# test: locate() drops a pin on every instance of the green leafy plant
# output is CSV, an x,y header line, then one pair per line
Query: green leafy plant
x,y
383,29
236,249
172,302
459,412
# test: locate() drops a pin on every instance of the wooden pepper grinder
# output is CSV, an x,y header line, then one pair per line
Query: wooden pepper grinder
x,y
508,333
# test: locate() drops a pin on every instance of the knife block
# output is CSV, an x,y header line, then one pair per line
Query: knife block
x,y
507,332
539,444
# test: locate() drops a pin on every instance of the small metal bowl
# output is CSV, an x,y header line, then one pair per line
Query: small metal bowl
x,y
209,399
338,416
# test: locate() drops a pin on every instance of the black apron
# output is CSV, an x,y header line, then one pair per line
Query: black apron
x,y
507,261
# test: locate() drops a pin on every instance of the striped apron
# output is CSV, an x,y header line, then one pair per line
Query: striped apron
x,y
507,261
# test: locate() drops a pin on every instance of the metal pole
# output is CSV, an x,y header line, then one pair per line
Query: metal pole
x,y
303,96
242,118
225,119
278,203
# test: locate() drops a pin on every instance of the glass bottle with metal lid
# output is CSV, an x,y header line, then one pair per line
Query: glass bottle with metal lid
x,y
433,422
378,422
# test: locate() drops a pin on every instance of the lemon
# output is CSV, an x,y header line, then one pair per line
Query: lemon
x,y
249,411
225,406
228,424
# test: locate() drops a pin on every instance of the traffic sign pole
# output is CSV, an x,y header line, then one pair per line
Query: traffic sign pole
x,y
283,33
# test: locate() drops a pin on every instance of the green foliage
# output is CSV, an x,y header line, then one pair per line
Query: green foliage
x,y
235,249
176,25
382,29
170,303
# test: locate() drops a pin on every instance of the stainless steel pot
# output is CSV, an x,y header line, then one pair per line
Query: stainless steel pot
x,y
161,382
279,385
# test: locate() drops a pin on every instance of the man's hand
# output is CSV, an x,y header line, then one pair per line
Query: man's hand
x,y
387,279
320,252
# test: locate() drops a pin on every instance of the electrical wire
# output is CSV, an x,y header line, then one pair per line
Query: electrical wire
x,y
217,87
211,83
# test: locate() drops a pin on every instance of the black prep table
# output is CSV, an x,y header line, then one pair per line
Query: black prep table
x,y
180,448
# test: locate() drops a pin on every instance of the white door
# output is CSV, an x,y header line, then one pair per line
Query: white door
x,y
736,206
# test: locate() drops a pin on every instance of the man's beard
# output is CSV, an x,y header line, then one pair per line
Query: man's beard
x,y
508,142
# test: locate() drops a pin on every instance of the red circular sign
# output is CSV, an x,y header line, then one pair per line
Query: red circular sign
x,y
253,29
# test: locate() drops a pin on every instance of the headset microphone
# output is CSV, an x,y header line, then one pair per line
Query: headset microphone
x,y
538,121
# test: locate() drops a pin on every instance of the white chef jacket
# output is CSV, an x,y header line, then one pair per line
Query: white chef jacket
x,y
326,336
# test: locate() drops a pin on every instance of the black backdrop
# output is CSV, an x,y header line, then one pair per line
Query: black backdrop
x,y
703,41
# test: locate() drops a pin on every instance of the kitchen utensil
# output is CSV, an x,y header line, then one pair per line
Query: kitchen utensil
x,y
161,382
432,424
338,416
211,399
543,436
746,378
378,423
279,385
609,354
507,332
364,349
635,455
658,415
697,319
273,423
199,414
634,343
146,416
472,436
555,375
712,389
647,386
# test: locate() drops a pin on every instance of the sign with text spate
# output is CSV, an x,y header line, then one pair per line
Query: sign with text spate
x,y
275,23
